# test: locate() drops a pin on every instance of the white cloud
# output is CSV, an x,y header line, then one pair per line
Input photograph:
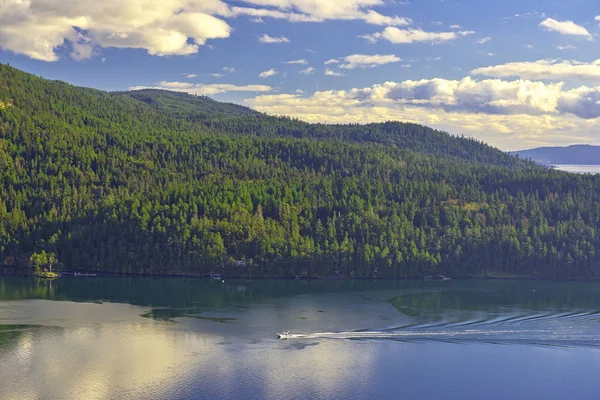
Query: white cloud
x,y
455,27
544,69
492,96
364,60
404,36
203,89
268,39
301,62
299,91
39,29
217,75
500,112
484,40
597,18
229,69
259,13
190,76
321,10
566,47
268,73
565,28
531,14
308,71
330,72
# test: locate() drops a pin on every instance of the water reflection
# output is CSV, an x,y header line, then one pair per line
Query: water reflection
x,y
101,362
196,339
98,356
182,293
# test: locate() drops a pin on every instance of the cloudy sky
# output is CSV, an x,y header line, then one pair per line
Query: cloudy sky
x,y
513,73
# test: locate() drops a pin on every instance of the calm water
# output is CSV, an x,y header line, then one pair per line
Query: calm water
x,y
134,338
579,169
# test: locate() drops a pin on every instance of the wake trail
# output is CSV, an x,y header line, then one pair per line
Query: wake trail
x,y
567,329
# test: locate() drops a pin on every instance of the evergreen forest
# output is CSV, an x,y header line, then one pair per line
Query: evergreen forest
x,y
165,183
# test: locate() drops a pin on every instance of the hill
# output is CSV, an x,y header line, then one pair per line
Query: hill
x,y
157,182
576,155
238,120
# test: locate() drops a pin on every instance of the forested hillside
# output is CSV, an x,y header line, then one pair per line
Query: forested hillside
x,y
166,183
235,120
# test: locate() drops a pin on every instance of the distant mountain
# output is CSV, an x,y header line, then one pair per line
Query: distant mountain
x,y
577,154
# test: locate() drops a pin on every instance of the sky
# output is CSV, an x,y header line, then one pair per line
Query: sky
x,y
513,73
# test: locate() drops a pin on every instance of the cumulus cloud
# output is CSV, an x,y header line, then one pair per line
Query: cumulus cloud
x,y
308,71
500,112
42,29
404,36
544,69
45,29
364,60
492,97
583,102
204,89
569,28
264,38
330,72
321,10
268,73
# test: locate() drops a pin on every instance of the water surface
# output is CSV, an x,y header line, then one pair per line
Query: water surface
x,y
579,169
135,338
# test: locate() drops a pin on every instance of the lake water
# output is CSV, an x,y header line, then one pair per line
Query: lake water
x,y
579,169
163,338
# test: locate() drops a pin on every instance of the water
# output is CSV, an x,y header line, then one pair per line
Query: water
x,y
579,169
162,338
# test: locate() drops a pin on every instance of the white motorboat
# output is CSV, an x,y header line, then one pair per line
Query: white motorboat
x,y
284,335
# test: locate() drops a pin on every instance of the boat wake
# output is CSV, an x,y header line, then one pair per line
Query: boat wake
x,y
580,329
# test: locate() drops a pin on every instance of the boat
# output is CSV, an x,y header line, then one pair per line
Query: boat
x,y
83,274
215,277
284,335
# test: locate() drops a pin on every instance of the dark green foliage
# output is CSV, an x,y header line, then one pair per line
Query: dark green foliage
x,y
165,183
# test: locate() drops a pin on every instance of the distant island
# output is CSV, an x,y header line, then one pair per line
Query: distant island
x,y
163,183
574,155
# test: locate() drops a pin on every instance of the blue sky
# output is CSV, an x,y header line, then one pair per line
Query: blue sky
x,y
516,74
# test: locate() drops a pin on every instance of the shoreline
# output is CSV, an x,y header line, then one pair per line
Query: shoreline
x,y
224,278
